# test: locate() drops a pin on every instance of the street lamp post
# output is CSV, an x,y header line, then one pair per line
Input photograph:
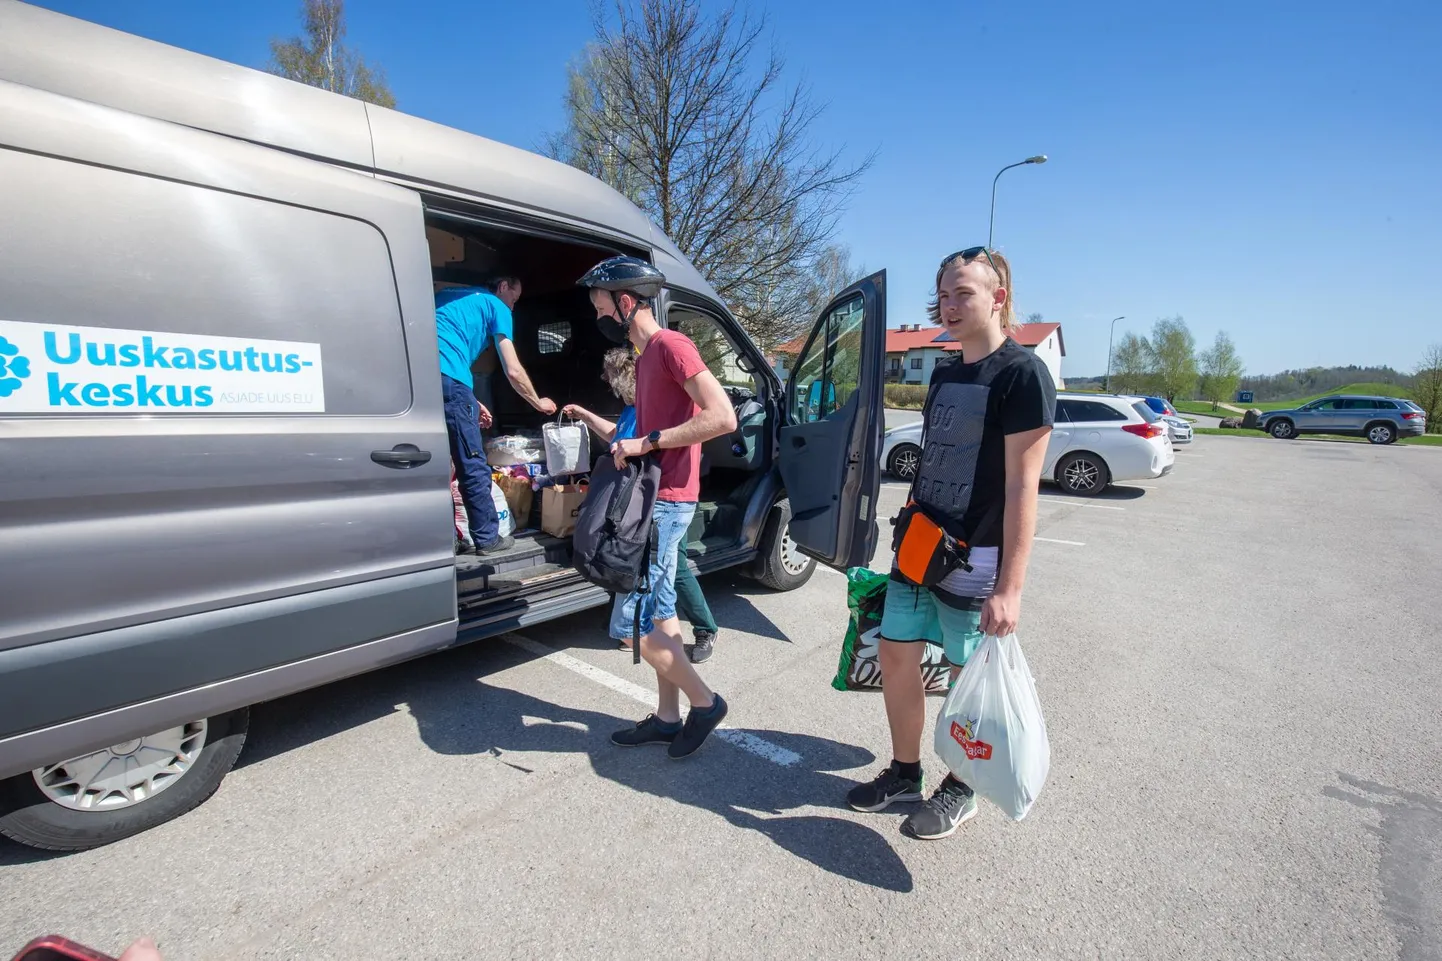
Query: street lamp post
x,y
1108,385
1038,159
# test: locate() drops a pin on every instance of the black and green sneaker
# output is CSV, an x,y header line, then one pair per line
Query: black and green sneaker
x,y
888,788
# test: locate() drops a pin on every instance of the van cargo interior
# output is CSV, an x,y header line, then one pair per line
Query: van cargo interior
x,y
561,348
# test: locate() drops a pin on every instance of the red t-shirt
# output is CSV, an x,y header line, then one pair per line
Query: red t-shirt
x,y
669,360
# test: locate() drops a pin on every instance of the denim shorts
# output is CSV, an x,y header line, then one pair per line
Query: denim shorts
x,y
952,619
671,520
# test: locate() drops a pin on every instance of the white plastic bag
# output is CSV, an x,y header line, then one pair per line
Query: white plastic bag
x,y
991,733
568,447
509,450
503,510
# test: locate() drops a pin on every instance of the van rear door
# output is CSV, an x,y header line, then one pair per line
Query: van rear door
x,y
221,436
830,457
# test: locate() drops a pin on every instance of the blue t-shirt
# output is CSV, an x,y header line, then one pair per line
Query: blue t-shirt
x,y
626,423
466,319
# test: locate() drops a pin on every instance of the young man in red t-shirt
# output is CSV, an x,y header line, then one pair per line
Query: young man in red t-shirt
x,y
679,405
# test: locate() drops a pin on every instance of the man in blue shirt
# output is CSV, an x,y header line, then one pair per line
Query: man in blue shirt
x,y
468,321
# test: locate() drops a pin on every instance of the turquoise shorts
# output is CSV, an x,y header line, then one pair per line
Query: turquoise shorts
x,y
913,614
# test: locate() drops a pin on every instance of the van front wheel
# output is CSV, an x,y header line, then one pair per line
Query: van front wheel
x,y
124,789
782,566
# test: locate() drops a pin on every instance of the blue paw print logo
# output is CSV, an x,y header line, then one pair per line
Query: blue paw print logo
x,y
13,368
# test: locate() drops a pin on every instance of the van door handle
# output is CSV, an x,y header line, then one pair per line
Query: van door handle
x,y
401,456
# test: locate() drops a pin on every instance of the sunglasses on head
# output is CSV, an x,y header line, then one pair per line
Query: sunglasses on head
x,y
968,255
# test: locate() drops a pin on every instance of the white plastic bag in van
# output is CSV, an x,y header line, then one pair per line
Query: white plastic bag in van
x,y
503,510
568,447
991,733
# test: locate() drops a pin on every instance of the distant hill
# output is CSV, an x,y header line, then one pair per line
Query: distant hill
x,y
1303,385
1317,381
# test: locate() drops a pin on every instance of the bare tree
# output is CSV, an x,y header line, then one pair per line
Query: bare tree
x,y
1427,387
664,105
1133,365
322,59
1222,369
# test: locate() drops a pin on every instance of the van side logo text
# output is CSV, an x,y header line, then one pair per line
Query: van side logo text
x,y
47,368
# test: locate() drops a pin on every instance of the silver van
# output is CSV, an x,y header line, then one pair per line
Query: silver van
x,y
223,467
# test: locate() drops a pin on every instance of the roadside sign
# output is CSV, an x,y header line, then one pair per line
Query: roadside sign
x,y
1244,396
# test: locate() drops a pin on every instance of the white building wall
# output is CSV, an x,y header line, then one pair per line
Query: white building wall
x,y
1049,351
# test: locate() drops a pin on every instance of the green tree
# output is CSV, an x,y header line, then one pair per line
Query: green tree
x,y
682,111
1221,369
1427,387
1174,358
1133,365
322,59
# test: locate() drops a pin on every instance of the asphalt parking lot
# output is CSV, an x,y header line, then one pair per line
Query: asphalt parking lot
x,y
1239,665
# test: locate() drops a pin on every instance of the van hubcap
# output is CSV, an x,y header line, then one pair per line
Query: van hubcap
x,y
792,560
125,773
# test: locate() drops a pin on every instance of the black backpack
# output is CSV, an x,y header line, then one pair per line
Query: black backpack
x,y
614,539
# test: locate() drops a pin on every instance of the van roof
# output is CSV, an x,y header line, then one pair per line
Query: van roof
x,y
75,58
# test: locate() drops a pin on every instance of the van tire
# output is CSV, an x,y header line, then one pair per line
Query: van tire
x,y
781,567
32,819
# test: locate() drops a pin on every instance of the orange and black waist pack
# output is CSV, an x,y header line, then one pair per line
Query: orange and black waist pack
x,y
924,552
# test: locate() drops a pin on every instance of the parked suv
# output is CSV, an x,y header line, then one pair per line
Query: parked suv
x,y
226,472
1379,419
1097,440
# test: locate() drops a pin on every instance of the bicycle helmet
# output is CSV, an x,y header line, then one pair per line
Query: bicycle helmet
x,y
629,274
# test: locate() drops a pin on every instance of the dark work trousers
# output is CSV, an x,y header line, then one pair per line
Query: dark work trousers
x,y
468,454
691,604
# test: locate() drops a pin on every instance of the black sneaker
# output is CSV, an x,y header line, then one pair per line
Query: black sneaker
x,y
699,725
498,546
705,646
650,730
948,808
887,789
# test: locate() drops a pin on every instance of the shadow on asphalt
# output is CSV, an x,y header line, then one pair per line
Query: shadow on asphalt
x,y
1116,492
459,713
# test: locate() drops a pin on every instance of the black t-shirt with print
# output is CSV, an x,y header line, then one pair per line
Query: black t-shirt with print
x,y
970,409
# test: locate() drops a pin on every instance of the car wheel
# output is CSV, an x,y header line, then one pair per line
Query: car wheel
x,y
904,462
1381,433
1085,475
124,789
782,567
1282,429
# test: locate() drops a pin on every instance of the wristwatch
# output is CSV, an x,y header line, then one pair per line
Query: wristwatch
x,y
653,439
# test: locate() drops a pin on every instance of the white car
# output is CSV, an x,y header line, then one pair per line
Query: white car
x,y
1098,439
1179,429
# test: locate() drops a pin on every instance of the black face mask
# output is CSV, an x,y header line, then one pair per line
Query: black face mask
x,y
616,333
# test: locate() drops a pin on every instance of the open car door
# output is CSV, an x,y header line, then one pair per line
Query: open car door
x,y
830,456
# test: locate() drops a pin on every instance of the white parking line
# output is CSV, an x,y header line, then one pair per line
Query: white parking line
x,y
1075,503
1053,540
742,739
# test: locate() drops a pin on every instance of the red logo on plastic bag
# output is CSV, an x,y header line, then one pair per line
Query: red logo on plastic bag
x,y
976,750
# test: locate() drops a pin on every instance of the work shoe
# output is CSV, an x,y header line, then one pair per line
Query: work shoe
x,y
948,807
498,546
699,725
649,730
705,646
887,789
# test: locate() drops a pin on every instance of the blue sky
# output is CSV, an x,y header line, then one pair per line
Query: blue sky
x,y
1269,169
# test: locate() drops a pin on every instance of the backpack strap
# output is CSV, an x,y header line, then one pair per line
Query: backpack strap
x,y
643,587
